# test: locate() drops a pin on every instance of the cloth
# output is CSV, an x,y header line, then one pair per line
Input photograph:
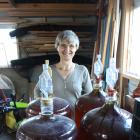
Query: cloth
x,y
71,88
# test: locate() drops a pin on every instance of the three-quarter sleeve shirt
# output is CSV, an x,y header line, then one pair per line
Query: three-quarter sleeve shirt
x,y
71,88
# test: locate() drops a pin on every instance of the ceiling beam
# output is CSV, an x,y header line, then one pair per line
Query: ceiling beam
x,y
8,19
43,50
47,27
49,7
49,14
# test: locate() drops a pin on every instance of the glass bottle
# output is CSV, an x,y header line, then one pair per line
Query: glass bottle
x,y
108,122
60,107
95,98
47,126
89,101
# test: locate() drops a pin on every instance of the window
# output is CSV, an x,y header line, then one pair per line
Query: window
x,y
134,48
8,48
131,54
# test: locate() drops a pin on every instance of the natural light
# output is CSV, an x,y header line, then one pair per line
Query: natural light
x,y
134,52
8,48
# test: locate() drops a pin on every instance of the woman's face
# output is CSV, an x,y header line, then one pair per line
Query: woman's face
x,y
66,50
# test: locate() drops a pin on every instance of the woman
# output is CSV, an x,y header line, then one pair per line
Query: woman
x,y
69,79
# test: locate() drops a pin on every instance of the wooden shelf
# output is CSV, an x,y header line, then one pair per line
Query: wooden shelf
x,y
131,76
124,97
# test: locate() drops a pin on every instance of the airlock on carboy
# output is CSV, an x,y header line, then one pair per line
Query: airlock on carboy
x,y
46,88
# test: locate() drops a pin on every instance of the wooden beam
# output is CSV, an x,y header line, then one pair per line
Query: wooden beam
x,y
6,1
46,41
98,40
110,7
36,46
49,13
43,50
8,19
49,7
54,33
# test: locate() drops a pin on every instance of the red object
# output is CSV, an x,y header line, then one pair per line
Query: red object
x,y
61,107
43,127
136,92
108,122
86,103
110,92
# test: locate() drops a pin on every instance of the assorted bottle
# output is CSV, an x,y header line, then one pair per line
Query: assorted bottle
x,y
109,122
97,114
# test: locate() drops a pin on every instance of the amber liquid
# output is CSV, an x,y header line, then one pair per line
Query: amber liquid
x,y
106,123
85,103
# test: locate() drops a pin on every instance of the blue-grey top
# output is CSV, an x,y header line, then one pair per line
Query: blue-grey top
x,y
71,88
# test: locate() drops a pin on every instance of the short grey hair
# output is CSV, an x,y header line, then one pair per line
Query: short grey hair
x,y
68,35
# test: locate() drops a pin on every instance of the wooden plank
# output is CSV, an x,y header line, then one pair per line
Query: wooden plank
x,y
47,40
87,35
49,13
131,76
97,44
116,27
10,19
49,7
3,1
107,31
35,50
113,29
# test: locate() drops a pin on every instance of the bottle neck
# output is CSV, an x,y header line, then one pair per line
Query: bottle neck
x,y
46,116
45,67
46,105
97,84
111,98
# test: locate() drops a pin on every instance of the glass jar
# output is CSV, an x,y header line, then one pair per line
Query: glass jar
x,y
108,122
47,127
87,102
60,107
